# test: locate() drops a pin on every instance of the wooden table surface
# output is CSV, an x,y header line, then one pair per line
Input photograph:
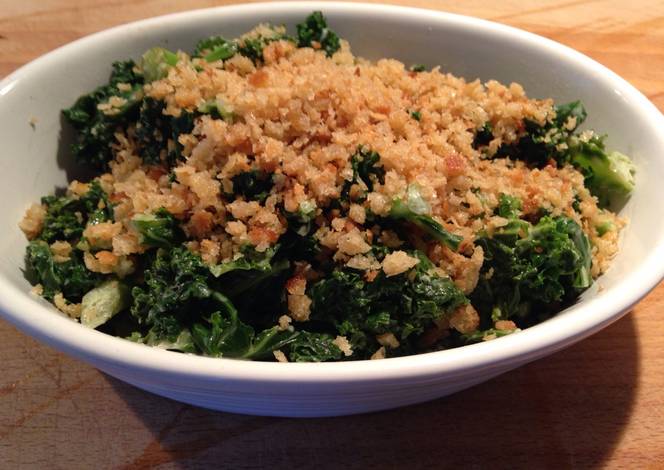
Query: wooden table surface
x,y
597,404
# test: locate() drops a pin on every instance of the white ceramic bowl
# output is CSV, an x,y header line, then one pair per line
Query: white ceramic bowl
x,y
464,46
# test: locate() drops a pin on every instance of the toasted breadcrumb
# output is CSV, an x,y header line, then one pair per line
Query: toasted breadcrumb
x,y
279,356
342,343
73,310
379,354
398,262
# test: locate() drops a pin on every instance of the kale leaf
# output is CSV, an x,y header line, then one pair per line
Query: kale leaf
x,y
252,47
314,30
314,347
530,270
404,305
174,282
254,185
67,216
156,62
251,260
159,230
154,130
70,277
96,128
543,143
415,210
608,175
483,136
227,336
367,171
178,301
509,206
215,48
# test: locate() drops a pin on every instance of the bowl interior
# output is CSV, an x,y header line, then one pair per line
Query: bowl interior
x,y
35,160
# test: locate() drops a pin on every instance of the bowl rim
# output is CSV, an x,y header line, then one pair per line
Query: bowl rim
x,y
38,320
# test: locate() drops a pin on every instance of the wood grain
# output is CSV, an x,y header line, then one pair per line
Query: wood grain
x,y
597,404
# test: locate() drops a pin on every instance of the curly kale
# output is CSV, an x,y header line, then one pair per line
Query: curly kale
x,y
483,136
252,47
215,48
178,301
228,336
509,207
67,216
96,128
530,270
405,305
160,229
414,210
314,347
367,171
156,62
253,185
174,282
608,175
314,30
69,277
157,134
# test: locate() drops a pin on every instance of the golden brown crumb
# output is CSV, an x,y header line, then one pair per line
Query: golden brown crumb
x,y
398,262
37,289
279,356
101,235
342,343
505,325
33,221
73,310
465,319
388,340
284,322
61,251
379,354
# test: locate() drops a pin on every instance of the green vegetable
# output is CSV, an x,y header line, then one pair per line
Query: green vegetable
x,y
215,48
252,48
250,261
174,282
95,128
103,302
229,337
481,335
314,347
417,68
414,210
178,297
509,206
483,136
156,62
404,305
66,217
530,269
70,277
254,185
217,110
154,130
609,176
604,227
159,230
416,115
314,29
182,340
367,171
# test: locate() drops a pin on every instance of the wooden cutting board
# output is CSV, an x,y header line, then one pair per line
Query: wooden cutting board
x,y
597,404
